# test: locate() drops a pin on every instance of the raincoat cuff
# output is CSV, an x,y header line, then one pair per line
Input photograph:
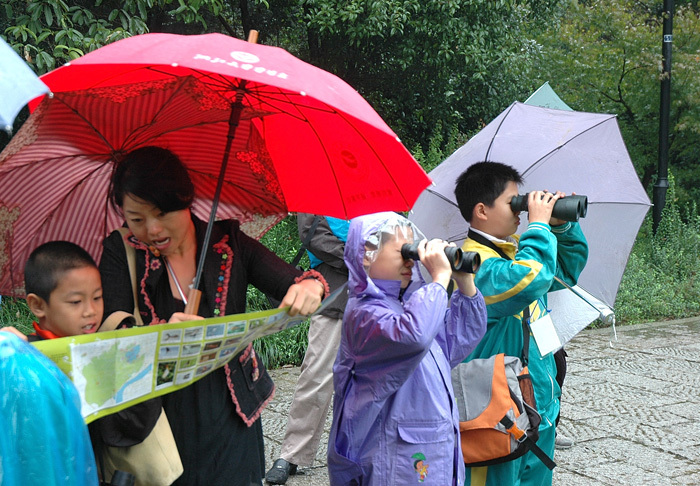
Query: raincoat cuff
x,y
561,228
538,226
316,276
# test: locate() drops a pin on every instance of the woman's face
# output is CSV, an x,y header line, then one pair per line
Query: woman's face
x,y
169,233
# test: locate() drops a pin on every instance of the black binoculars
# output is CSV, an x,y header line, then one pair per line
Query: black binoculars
x,y
569,208
460,261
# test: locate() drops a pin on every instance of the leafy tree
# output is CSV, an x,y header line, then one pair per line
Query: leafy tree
x,y
424,62
606,57
51,32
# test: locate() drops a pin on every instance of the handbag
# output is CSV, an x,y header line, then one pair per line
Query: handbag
x,y
155,461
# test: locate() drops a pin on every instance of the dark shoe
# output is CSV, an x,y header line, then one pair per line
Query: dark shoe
x,y
280,472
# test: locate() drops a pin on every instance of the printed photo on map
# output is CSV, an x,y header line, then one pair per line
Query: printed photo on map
x,y
191,349
215,331
172,336
166,373
193,334
168,352
235,328
187,363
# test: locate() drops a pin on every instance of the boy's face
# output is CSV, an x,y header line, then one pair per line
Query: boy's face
x,y
75,306
388,263
500,220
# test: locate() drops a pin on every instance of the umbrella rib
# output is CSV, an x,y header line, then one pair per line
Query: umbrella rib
x,y
225,83
347,120
493,138
532,166
88,123
231,184
57,206
444,198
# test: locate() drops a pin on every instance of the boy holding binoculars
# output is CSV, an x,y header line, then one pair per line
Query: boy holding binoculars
x,y
394,417
516,273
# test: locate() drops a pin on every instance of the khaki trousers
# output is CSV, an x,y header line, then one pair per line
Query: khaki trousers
x,y
313,393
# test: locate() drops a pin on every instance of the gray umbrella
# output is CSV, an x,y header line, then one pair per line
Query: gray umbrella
x,y
553,149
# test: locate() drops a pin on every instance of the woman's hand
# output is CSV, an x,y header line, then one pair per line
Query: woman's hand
x,y
182,317
304,297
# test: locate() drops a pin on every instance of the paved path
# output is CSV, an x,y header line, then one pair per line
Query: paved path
x,y
634,409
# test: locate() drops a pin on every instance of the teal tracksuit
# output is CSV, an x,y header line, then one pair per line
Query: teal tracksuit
x,y
508,286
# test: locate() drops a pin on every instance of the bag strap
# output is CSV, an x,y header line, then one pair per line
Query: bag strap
x,y
272,302
531,444
479,238
307,240
131,261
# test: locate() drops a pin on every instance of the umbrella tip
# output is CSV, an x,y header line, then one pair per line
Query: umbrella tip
x,y
253,36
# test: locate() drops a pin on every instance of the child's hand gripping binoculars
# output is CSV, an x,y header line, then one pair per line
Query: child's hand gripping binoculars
x,y
460,261
568,208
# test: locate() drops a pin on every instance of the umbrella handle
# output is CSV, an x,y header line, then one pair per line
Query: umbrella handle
x,y
193,299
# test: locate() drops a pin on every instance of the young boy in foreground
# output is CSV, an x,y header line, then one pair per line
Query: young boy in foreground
x,y
394,414
64,291
517,272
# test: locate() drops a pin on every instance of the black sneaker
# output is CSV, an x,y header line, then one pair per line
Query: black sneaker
x,y
280,472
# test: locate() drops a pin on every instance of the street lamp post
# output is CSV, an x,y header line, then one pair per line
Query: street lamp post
x,y
662,178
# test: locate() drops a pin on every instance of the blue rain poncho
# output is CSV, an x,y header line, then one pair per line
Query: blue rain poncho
x,y
44,439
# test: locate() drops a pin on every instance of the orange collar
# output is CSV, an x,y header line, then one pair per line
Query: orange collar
x,y
43,333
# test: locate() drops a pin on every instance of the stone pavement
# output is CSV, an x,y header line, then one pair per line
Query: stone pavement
x,y
633,408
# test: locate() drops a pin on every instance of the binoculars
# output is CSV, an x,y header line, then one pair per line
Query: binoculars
x,y
569,208
460,261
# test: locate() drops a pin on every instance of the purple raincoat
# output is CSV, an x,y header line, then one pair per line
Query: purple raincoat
x,y
394,416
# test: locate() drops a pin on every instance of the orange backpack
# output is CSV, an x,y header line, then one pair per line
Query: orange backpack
x,y
497,411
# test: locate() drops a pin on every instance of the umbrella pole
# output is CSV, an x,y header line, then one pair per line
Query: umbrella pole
x,y
195,295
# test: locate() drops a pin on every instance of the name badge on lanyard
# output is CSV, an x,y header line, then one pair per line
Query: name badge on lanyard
x,y
545,335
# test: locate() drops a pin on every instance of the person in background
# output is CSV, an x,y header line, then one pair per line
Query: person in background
x,y
395,419
314,390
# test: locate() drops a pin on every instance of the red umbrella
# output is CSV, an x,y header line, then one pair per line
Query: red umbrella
x,y
300,139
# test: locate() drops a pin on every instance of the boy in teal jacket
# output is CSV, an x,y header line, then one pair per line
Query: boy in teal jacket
x,y
550,247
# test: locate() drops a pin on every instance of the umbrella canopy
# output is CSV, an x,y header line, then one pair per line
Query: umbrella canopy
x,y
546,97
18,85
300,138
553,149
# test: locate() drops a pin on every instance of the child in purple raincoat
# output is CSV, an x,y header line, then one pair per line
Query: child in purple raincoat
x,y
394,407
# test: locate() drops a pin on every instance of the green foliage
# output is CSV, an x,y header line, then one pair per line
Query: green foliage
x,y
458,62
49,33
284,348
661,278
438,149
605,57
14,312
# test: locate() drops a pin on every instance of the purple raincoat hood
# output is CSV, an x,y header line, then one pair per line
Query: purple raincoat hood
x,y
361,229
